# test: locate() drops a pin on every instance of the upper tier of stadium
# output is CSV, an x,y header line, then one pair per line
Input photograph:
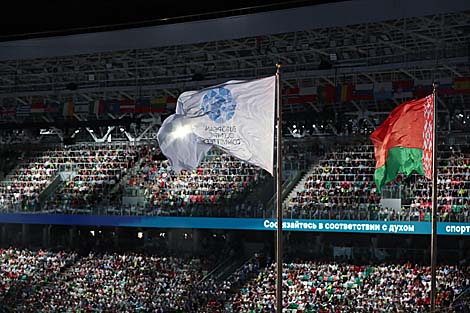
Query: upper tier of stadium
x,y
121,178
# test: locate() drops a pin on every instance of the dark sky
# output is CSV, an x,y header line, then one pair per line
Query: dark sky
x,y
56,17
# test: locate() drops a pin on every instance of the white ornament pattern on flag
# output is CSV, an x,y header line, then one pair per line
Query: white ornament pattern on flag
x,y
428,134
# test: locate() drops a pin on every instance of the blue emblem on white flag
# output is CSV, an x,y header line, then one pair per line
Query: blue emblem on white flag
x,y
237,117
219,104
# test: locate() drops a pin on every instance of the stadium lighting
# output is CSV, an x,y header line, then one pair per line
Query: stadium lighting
x,y
181,131
44,131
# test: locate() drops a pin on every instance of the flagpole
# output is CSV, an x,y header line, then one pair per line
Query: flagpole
x,y
279,193
434,202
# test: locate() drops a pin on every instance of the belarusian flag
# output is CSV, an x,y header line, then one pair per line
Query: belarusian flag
x,y
403,143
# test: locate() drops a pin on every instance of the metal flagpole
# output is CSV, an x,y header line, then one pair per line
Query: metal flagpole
x,y
434,202
279,193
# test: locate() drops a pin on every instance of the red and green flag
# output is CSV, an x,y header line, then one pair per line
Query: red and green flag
x,y
403,142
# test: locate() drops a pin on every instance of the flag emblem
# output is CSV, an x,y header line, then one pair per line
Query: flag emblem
x,y
219,104
236,116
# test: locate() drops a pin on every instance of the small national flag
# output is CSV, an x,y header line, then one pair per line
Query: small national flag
x,y
363,92
446,86
142,105
403,142
7,112
237,117
96,107
290,91
307,91
403,89
127,106
171,104
344,92
38,108
383,91
111,106
326,94
158,104
462,84
23,110
53,107
81,108
301,95
69,108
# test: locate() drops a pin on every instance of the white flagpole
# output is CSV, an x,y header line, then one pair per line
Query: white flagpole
x,y
279,193
434,202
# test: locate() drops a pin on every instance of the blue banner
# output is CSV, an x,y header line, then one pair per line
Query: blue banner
x,y
338,226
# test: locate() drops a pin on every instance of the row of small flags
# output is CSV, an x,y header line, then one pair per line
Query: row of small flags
x,y
157,105
319,94
378,91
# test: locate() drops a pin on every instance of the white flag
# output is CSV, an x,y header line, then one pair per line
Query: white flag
x,y
237,117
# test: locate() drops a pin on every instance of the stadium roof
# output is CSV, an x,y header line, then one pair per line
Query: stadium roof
x,y
235,27
357,42
53,18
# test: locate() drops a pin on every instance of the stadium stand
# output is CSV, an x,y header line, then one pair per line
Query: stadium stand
x,y
43,281
341,287
89,182
94,219
94,178
83,170
94,171
21,188
24,271
210,190
341,186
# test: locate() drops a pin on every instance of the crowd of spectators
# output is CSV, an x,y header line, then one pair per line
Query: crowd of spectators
x,y
220,296
340,287
214,185
89,172
93,170
45,281
20,189
92,183
96,169
23,271
453,187
341,186
40,281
